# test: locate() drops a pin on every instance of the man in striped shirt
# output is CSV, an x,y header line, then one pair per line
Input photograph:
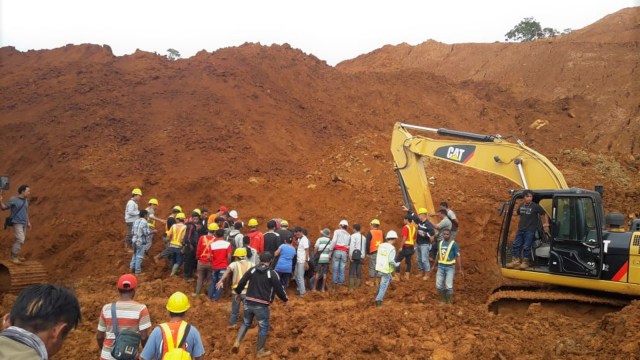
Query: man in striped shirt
x,y
130,315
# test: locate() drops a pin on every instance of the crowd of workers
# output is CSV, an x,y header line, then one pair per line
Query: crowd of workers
x,y
256,266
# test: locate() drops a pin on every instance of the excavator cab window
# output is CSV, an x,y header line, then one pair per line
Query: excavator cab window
x,y
576,245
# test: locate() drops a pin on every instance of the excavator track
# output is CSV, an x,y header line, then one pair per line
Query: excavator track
x,y
15,277
538,295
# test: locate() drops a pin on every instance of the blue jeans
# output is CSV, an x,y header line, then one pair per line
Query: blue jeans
x,y
284,279
214,293
339,266
423,257
299,275
136,258
261,312
525,238
444,278
384,284
235,307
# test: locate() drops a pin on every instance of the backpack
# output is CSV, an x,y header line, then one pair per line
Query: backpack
x,y
175,352
126,344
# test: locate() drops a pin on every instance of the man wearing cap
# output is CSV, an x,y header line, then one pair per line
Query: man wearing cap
x,y
423,239
130,316
340,248
236,269
142,239
203,254
131,213
219,213
385,264
284,231
323,248
171,220
174,330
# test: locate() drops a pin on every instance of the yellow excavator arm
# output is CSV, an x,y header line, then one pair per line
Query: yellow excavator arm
x,y
490,153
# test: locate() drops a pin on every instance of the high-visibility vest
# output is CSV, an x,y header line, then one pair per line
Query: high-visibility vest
x,y
442,258
376,240
243,267
172,334
176,234
384,258
411,240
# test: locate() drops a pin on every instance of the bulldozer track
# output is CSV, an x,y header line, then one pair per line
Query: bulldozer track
x,y
15,277
551,296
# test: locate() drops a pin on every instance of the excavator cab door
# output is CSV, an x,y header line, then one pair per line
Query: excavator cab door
x,y
576,236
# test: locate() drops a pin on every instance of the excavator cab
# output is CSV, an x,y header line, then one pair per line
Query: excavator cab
x,y
573,244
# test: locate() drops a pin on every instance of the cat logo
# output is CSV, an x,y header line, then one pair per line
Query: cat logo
x,y
457,153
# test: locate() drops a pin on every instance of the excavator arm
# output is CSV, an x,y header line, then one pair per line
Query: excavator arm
x,y
490,153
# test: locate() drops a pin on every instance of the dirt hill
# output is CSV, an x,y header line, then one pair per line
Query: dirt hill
x,y
274,132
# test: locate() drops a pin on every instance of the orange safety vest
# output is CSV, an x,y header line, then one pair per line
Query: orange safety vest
x,y
376,240
411,240
176,332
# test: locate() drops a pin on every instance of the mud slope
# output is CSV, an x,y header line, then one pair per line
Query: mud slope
x,y
274,132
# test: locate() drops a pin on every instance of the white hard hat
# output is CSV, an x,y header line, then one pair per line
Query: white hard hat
x,y
344,223
233,214
392,235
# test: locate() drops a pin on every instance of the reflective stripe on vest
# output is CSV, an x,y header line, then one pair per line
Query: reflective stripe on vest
x,y
168,341
177,233
383,259
443,259
376,240
412,235
241,272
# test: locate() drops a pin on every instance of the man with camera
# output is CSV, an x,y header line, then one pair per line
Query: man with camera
x,y
18,219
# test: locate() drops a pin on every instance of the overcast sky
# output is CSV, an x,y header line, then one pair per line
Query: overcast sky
x,y
331,30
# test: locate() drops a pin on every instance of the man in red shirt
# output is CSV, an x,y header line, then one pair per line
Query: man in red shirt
x,y
203,254
256,236
220,259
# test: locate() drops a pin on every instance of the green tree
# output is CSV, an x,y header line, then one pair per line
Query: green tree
x,y
173,54
528,30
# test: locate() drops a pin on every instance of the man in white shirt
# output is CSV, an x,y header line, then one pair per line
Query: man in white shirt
x,y
302,263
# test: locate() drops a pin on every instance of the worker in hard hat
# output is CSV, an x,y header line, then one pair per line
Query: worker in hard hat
x,y
386,264
425,233
171,220
236,270
256,236
131,214
152,209
176,238
175,339
375,237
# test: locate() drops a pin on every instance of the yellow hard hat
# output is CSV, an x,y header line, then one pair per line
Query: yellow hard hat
x,y
152,225
422,211
284,223
180,216
136,191
213,227
197,211
178,303
178,207
253,222
375,222
153,201
240,252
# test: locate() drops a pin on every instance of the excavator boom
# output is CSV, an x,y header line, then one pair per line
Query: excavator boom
x,y
490,153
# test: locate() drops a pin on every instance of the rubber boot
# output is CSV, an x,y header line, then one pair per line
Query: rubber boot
x,y
443,296
241,333
449,297
261,350
357,283
174,269
351,281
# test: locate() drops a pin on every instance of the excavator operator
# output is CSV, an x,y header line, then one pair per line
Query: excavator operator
x,y
529,212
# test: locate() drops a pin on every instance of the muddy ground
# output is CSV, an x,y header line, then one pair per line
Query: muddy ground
x,y
274,132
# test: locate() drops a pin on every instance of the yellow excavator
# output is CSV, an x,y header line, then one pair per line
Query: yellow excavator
x,y
583,248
